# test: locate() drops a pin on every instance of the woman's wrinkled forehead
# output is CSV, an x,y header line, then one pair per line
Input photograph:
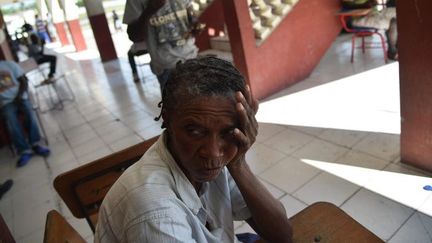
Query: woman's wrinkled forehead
x,y
187,97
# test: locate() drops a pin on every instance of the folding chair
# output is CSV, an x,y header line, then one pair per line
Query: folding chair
x,y
84,188
361,32
139,61
50,88
58,230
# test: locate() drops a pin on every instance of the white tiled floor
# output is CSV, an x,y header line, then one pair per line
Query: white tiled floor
x,y
327,138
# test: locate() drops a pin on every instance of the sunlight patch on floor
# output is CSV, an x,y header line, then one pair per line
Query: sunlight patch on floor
x,y
368,101
398,186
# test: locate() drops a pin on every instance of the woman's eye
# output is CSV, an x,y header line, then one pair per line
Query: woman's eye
x,y
194,131
228,133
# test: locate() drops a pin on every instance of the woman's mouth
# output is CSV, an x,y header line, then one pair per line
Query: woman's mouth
x,y
212,171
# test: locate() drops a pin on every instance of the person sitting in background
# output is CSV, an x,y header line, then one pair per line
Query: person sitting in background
x,y
378,19
194,181
26,27
36,51
14,100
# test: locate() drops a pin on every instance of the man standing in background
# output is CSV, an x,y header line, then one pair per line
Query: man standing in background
x,y
41,29
167,24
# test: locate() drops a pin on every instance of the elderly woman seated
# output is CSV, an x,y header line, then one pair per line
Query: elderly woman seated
x,y
194,181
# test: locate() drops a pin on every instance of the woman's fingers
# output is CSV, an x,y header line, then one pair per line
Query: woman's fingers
x,y
253,103
242,116
247,130
247,122
241,137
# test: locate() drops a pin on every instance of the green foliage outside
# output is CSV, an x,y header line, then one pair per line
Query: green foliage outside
x,y
80,3
17,7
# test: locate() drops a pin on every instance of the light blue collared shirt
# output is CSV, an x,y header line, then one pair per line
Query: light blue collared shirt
x,y
153,201
9,84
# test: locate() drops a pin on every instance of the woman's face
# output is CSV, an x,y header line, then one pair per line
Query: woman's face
x,y
201,138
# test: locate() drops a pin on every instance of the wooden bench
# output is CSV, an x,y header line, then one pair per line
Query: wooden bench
x,y
84,188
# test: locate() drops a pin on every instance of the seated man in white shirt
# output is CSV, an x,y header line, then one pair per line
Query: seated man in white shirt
x,y
384,19
194,181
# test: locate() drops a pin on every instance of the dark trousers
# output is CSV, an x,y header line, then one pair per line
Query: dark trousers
x,y
131,57
10,112
52,61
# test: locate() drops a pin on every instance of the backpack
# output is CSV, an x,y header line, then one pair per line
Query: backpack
x,y
136,31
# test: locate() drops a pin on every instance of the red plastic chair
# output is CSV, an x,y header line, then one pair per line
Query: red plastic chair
x,y
361,32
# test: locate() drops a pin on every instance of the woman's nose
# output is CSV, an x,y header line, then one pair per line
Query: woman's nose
x,y
213,147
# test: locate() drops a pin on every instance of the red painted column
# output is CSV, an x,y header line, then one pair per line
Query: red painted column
x,y
76,34
58,21
71,15
5,50
61,33
240,33
100,28
414,22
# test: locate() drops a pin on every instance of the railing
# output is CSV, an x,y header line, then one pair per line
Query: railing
x,y
267,14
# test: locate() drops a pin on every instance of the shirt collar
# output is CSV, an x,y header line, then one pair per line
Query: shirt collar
x,y
184,189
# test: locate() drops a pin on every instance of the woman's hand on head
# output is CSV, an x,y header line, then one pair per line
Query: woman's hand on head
x,y
245,134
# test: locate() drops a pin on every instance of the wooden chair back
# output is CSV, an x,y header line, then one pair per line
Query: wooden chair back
x,y
58,230
84,188
325,222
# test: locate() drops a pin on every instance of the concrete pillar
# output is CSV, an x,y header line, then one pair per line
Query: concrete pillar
x,y
5,50
101,31
71,16
58,21
414,23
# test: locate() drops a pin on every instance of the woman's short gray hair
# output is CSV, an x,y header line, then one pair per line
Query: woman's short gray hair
x,y
203,76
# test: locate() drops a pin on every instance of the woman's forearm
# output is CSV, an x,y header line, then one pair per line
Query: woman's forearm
x,y
268,214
